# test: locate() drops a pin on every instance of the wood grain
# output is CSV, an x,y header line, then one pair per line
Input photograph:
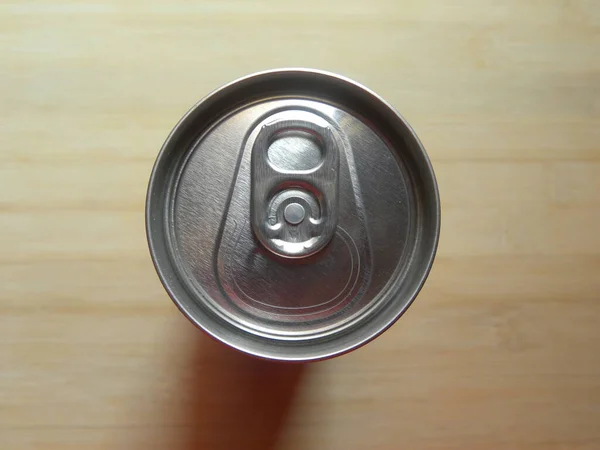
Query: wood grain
x,y
502,348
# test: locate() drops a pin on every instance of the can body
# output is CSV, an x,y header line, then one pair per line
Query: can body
x,y
293,215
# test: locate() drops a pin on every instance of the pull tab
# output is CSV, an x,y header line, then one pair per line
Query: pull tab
x,y
294,178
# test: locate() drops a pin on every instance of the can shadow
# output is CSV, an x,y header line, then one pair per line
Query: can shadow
x,y
231,400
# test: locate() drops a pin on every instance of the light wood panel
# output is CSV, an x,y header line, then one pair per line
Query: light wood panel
x,y
502,348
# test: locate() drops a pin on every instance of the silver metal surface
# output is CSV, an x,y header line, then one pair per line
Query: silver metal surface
x,y
289,179
293,215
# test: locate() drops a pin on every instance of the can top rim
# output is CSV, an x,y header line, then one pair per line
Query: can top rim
x,y
226,90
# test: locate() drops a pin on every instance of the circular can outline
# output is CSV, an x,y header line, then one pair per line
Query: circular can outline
x,y
427,263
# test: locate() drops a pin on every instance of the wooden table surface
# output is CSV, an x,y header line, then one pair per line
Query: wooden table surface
x,y
500,351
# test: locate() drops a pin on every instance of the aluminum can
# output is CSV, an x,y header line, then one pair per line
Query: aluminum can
x,y
293,215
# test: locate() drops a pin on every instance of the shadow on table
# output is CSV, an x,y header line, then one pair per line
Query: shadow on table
x,y
231,400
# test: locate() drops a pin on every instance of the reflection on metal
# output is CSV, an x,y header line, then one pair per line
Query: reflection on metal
x,y
293,215
312,189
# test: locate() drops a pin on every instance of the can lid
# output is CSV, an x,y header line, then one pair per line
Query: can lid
x,y
293,214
